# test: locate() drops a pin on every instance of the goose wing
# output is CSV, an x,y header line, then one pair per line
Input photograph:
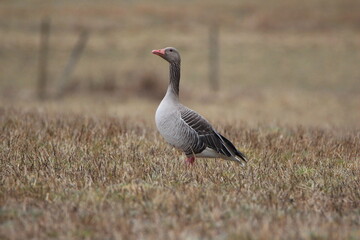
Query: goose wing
x,y
203,135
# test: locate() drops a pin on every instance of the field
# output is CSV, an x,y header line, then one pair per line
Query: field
x,y
70,176
91,165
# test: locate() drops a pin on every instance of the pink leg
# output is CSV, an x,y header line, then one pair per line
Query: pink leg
x,y
190,160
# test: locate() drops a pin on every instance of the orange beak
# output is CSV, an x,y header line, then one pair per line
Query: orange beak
x,y
160,52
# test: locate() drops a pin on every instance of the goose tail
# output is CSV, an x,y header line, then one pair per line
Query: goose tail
x,y
235,155
241,158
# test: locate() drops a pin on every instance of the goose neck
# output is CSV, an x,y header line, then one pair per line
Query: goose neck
x,y
174,78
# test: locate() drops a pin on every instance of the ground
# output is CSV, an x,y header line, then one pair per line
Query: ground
x,y
73,176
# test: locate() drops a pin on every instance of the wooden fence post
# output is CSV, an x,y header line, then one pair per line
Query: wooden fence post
x,y
72,61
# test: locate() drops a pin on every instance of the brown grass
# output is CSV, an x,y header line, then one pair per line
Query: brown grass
x,y
70,176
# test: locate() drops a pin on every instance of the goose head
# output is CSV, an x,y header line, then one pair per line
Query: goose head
x,y
170,54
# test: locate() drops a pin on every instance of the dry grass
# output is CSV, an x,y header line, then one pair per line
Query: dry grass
x,y
69,176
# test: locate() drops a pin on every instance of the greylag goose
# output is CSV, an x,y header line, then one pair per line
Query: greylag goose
x,y
185,129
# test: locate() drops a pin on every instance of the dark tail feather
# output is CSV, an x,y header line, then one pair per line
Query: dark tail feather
x,y
233,149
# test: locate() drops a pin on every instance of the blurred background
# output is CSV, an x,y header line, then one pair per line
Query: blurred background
x,y
275,62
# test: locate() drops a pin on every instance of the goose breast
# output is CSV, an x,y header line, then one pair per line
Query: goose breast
x,y
172,128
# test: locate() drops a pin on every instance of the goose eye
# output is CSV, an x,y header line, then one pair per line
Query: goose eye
x,y
170,50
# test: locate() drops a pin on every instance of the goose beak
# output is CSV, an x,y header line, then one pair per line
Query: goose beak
x,y
160,52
